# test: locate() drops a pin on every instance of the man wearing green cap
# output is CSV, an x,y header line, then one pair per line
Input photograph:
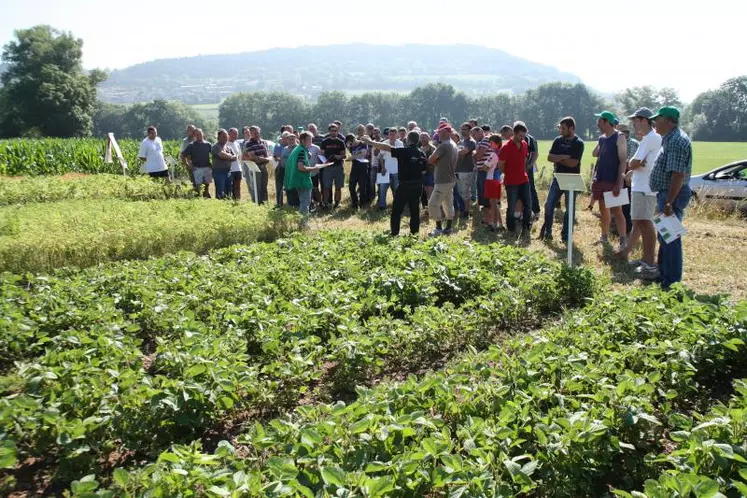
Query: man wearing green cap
x,y
609,174
670,179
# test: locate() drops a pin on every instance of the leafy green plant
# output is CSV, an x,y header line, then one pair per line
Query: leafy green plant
x,y
592,405
138,355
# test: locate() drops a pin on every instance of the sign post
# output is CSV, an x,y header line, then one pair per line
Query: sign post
x,y
571,183
112,142
252,168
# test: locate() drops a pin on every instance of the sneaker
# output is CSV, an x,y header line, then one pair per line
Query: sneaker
x,y
647,271
535,217
603,240
447,231
435,233
635,263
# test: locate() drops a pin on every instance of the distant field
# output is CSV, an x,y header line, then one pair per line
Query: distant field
x,y
706,155
209,111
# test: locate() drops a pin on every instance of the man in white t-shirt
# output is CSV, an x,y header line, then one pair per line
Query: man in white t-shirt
x,y
235,174
391,167
151,153
643,200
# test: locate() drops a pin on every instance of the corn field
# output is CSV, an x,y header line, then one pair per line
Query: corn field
x,y
57,156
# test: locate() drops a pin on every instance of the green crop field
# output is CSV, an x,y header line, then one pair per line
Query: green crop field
x,y
158,344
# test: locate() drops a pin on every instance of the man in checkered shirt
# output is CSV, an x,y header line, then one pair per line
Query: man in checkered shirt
x,y
670,179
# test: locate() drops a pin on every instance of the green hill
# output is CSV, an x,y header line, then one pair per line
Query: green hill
x,y
308,71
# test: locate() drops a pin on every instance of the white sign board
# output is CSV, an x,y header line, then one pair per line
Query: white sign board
x,y
571,183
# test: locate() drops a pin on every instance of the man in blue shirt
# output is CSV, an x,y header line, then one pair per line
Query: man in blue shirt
x,y
670,179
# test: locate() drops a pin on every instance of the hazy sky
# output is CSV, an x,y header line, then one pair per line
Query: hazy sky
x,y
610,45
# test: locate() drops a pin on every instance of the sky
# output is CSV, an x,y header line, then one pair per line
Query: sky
x,y
609,45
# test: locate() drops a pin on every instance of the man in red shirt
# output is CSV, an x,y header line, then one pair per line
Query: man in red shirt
x,y
512,161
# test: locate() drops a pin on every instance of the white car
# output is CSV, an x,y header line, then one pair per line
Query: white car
x,y
727,182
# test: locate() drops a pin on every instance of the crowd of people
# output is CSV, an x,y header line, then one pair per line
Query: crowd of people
x,y
453,172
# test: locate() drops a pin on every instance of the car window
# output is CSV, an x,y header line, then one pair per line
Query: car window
x,y
729,173
742,174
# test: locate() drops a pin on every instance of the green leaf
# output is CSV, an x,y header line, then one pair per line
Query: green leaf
x,y
379,486
333,476
121,477
168,457
8,455
282,468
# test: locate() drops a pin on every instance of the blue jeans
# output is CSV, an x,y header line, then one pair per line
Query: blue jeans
x,y
553,196
383,187
304,195
221,182
279,180
533,192
459,206
670,255
513,194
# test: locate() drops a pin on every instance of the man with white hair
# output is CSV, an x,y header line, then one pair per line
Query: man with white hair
x,y
412,126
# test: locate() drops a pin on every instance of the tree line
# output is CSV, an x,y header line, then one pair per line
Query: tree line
x,y
46,92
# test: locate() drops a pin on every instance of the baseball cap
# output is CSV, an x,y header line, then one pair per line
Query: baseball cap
x,y
643,112
445,127
623,127
285,134
667,111
607,115
443,120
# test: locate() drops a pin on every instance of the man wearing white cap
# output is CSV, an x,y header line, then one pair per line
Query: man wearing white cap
x,y
643,200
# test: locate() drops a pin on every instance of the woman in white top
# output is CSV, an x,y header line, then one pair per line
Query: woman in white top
x,y
151,153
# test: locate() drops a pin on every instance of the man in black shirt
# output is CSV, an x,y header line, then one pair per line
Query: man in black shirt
x,y
333,148
566,153
412,164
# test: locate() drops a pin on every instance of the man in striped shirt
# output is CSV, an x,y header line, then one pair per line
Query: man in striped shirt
x,y
481,157
255,150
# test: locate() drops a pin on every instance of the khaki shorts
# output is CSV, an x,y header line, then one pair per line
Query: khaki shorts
x,y
642,206
203,176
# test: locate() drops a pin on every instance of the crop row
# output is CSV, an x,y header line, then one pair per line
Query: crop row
x,y
58,156
637,395
52,189
43,236
132,357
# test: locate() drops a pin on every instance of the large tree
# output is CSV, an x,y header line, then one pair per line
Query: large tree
x,y
268,110
45,90
632,99
720,115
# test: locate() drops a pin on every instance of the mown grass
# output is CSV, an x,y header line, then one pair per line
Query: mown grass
x,y
706,155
